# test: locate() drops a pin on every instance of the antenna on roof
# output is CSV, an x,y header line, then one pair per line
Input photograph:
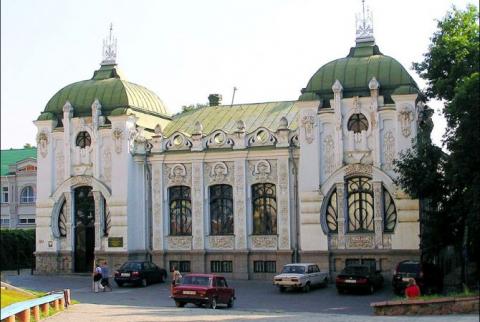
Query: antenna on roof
x,y
233,96
109,49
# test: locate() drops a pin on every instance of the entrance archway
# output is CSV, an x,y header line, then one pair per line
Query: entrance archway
x,y
84,244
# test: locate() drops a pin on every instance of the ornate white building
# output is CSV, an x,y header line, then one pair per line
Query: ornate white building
x,y
235,189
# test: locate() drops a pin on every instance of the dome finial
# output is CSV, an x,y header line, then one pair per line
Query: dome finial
x,y
109,49
364,25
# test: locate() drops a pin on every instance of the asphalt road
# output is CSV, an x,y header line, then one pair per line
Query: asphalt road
x,y
260,296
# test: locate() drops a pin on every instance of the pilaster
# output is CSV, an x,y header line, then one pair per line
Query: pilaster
x,y
378,211
341,215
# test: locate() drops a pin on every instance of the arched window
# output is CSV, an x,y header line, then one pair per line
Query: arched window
x,y
332,213
62,220
180,206
264,206
27,195
221,209
83,140
360,204
357,123
390,212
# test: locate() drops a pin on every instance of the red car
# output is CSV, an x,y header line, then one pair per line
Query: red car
x,y
203,289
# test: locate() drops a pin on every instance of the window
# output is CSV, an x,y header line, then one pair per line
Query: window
x,y
264,206
180,211
83,140
4,194
360,205
332,213
221,209
357,123
62,220
27,195
221,266
26,221
264,266
182,266
220,282
390,218
5,222
371,262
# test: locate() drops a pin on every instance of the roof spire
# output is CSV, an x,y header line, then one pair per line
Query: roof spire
x,y
109,49
364,26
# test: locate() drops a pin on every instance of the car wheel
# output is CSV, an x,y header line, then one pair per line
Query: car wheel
x,y
120,284
144,282
306,288
282,289
230,302
213,303
179,304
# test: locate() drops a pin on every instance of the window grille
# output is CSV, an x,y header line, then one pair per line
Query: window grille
x,y
264,206
221,209
180,206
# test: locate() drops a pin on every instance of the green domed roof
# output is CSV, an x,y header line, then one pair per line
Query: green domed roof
x,y
355,72
113,92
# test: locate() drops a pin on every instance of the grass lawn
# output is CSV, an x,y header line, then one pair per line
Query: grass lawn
x,y
10,296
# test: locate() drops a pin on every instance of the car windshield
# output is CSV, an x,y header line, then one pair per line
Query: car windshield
x,y
408,268
355,270
195,280
132,266
294,269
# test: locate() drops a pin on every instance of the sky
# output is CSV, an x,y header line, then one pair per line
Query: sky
x,y
184,50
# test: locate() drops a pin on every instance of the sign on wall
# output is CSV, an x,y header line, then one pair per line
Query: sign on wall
x,y
115,241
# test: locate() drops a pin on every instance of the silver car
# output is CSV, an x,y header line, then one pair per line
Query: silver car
x,y
301,275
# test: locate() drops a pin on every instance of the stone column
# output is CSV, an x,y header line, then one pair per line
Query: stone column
x,y
341,215
378,213
240,212
197,206
157,206
99,217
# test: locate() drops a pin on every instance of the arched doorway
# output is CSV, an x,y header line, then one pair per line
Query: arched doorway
x,y
84,229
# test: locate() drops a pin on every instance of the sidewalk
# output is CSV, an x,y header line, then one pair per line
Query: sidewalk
x,y
100,313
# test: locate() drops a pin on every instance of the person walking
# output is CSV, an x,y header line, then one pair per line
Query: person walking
x,y
105,279
176,276
412,291
97,277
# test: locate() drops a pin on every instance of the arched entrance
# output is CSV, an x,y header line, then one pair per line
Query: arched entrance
x,y
84,244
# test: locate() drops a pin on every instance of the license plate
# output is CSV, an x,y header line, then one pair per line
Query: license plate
x,y
125,274
351,281
406,279
189,292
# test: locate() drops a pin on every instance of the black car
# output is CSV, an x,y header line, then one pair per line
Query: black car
x,y
140,273
359,277
427,276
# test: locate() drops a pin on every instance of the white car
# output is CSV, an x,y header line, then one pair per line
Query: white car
x,y
301,275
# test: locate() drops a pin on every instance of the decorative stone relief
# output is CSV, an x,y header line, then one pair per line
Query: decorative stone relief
x,y
177,174
333,240
42,142
221,242
59,166
293,137
261,137
239,200
264,241
378,214
341,219
405,116
219,173
387,241
359,241
358,169
117,135
282,200
218,140
263,170
179,242
178,141
389,150
157,206
81,181
308,122
197,205
107,165
329,148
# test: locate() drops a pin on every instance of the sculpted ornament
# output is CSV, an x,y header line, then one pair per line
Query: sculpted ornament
x,y
358,169
221,242
180,242
406,117
178,174
117,135
42,142
262,170
389,150
308,122
264,242
329,149
218,172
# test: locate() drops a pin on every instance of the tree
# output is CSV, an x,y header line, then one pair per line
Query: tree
x,y
449,185
27,146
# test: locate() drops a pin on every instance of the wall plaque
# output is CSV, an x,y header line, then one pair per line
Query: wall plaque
x,y
115,241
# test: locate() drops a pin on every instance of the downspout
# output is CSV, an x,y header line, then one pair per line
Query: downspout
x,y
296,255
148,199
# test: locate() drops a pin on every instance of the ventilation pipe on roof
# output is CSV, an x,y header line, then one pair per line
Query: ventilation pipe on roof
x,y
214,99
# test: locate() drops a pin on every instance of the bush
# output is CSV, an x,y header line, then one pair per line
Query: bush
x,y
16,248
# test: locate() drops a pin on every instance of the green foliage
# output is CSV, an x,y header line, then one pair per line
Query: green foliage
x,y
453,53
191,107
16,248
